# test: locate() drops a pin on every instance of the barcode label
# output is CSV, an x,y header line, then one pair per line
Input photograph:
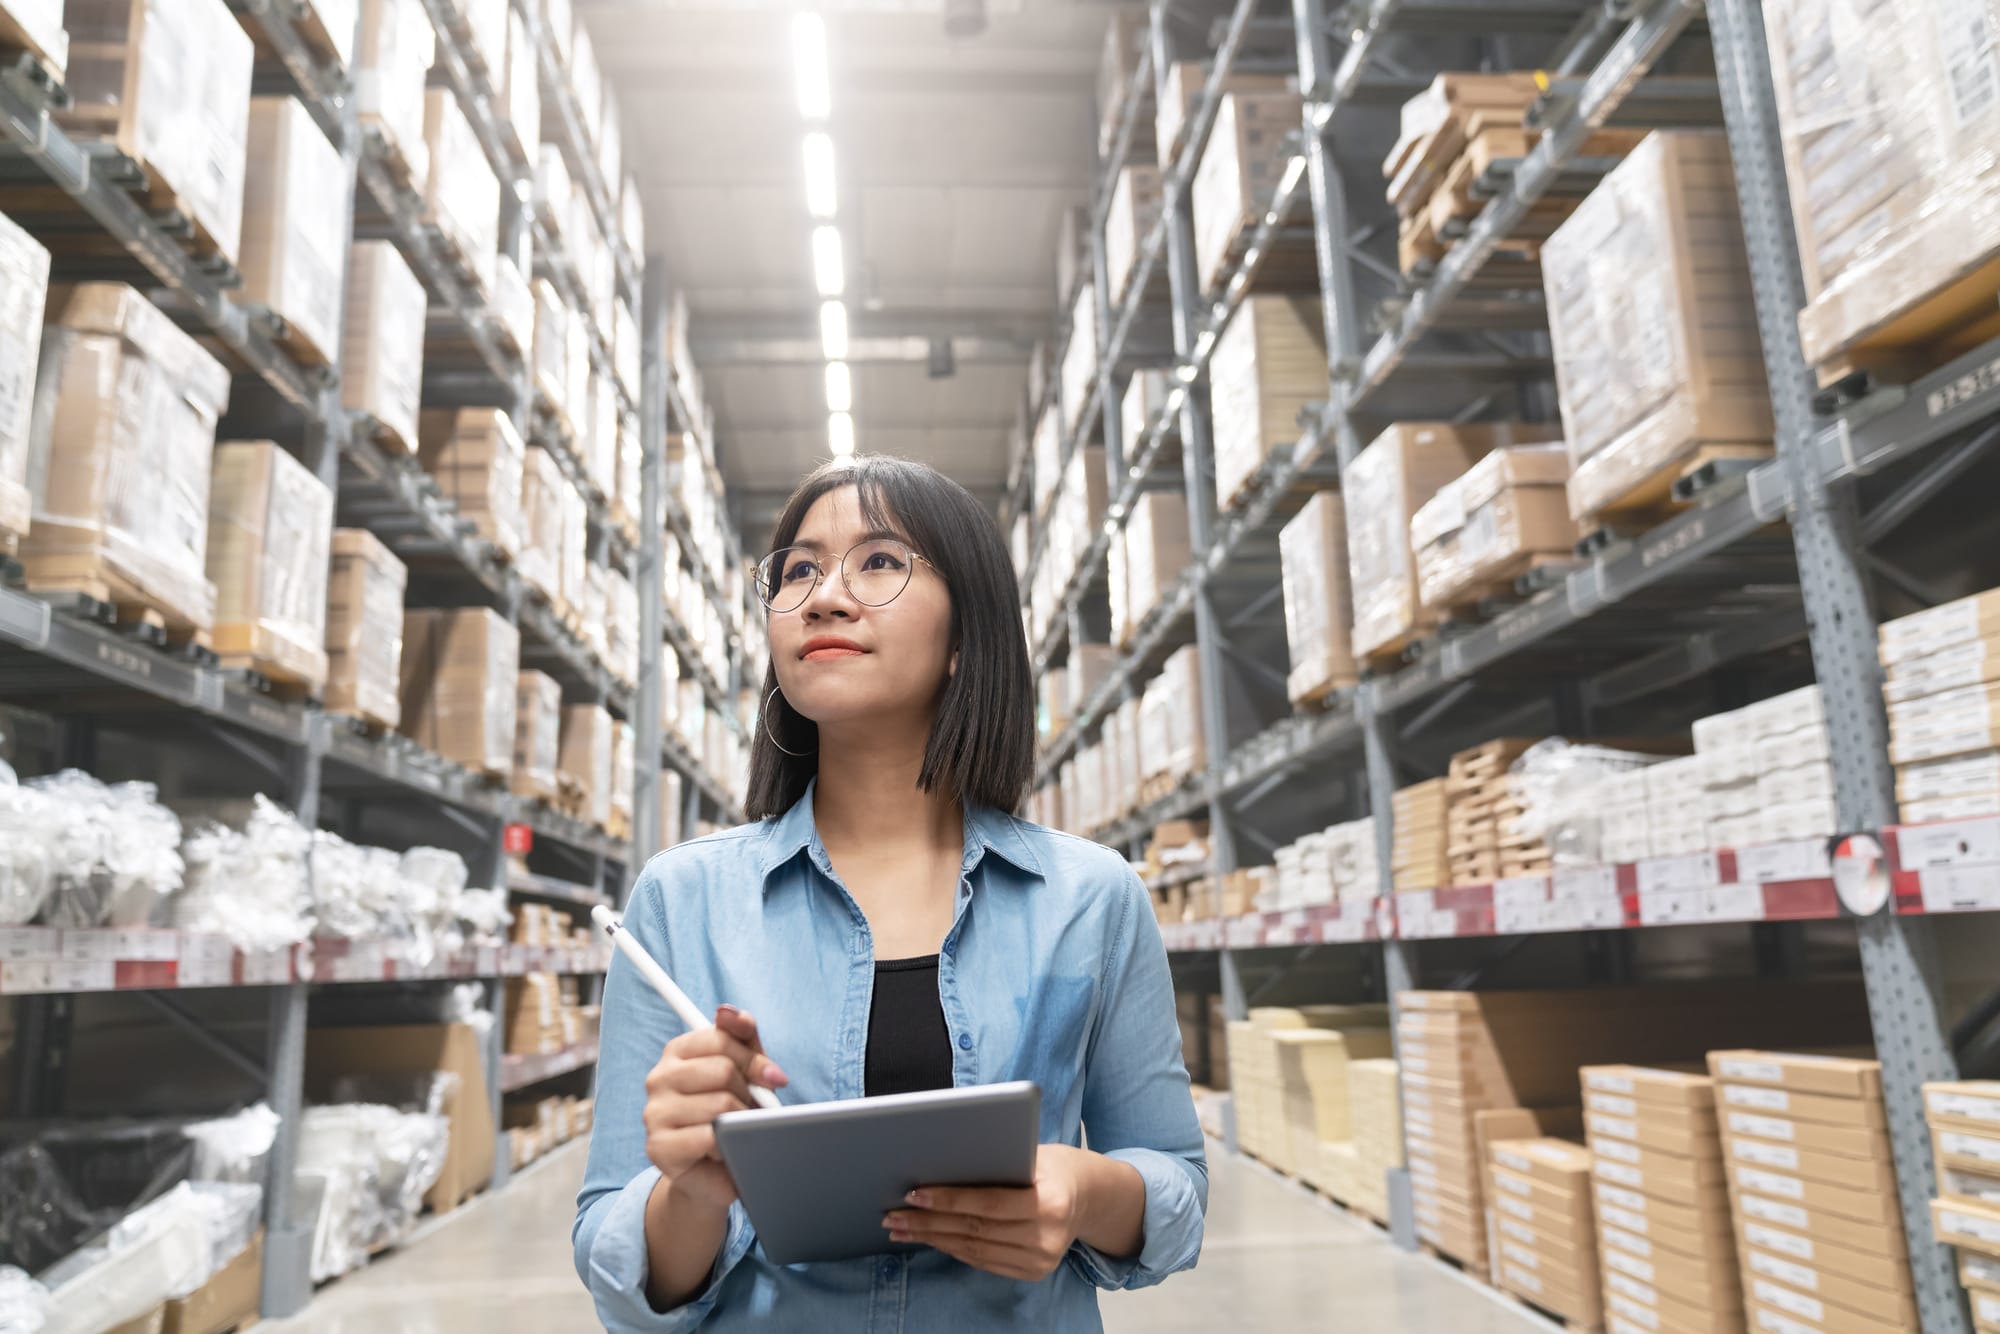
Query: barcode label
x,y
1764,1127
1770,1155
1631,1289
1634,1311
1618,1172
1522,1211
1634,1224
1762,1072
1799,1248
1970,69
1969,1146
1631,1264
1771,1211
1615,1126
1764,1100
1790,1188
1605,1082
1624,1153
1614,1105
1622,1199
1967,1105
1626,1241
1809,1308
1785,1271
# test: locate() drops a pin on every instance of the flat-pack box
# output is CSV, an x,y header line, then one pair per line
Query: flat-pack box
x,y
364,628
168,81
398,44
120,479
1812,1073
1267,367
1654,332
583,765
24,290
1765,1270
1844,1141
1319,605
1240,171
1888,1270
1689,1229
37,26
543,508
476,457
1155,551
1136,204
1941,628
1172,740
1506,514
459,676
461,194
1183,85
537,736
1830,1168
382,344
295,235
1972,1227
270,528
1801,1107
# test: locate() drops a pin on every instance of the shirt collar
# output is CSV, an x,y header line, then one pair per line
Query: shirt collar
x,y
986,830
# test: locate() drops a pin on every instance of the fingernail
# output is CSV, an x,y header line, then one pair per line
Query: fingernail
x,y
778,1078
919,1199
891,1222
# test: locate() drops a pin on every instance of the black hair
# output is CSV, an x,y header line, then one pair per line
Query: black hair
x,y
982,743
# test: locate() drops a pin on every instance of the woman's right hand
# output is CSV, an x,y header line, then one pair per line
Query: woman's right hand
x,y
700,1076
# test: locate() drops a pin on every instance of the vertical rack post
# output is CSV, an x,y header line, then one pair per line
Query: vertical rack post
x,y
1899,959
646,725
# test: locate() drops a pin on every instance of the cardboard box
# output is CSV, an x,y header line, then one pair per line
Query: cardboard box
x,y
1888,1270
584,760
1241,168
295,234
415,1049
227,1301
1690,1229
1136,203
1763,1267
461,194
1319,606
537,736
1869,1204
544,502
24,288
1680,1140
1645,384
1711,1283
1079,360
458,681
1715,1246
364,628
1822,1224
1979,1272
1832,1169
1267,367
169,82
1965,1150
1938,629
1846,1141
270,526
1673,1173
382,347
1972,1227
1803,1107
120,480
1823,1076
1782,1311
1182,90
1580,1301
1126,35
1505,514
37,26
1675,1187
1642,1306
534,1014
1156,551
398,43
477,458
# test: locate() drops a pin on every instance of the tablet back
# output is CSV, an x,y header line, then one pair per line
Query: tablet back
x,y
817,1179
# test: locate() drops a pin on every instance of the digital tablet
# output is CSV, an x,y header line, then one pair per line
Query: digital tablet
x,y
816,1179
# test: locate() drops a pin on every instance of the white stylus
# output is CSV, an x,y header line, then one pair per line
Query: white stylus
x,y
671,993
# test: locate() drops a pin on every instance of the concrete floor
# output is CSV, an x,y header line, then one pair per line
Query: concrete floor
x,y
1274,1259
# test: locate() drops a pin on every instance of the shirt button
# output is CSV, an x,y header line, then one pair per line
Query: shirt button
x,y
965,1042
889,1267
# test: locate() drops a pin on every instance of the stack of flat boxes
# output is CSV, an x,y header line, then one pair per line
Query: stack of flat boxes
x,y
1352,861
1313,1068
1814,1190
1943,689
1546,1247
1476,789
1768,774
1449,1070
1375,1108
1662,1210
1965,1134
1421,860
1257,1068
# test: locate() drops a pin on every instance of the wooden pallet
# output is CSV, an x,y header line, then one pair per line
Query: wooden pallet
x,y
1470,1268
1653,500
107,595
1550,1314
287,670
1920,337
1157,788
1503,587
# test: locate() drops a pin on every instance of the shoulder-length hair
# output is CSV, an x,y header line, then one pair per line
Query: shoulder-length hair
x,y
982,743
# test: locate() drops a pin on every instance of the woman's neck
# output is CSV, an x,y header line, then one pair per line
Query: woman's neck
x,y
867,795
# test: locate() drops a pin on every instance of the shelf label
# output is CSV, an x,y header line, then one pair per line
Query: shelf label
x,y
206,961
1960,888
1521,889
1735,903
1663,874
1803,859
29,942
267,968
1662,907
1586,882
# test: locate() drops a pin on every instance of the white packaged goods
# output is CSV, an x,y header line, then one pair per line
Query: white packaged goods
x,y
557,25
294,235
1184,83
250,885
1079,363
586,81
1576,797
364,628
1967,620
1268,366
1145,398
486,20
38,26
1048,457
551,364
1154,552
113,851
330,24
621,771
1654,331
370,1166
555,195
537,735
270,524
1239,175
626,351
627,504
632,217
397,47
120,480
1117,70
382,348
1319,606
169,82
24,288
462,195
1136,203
600,454
611,147
522,127
164,1249
540,558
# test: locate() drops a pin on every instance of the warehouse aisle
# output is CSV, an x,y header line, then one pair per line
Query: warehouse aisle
x,y
1274,1260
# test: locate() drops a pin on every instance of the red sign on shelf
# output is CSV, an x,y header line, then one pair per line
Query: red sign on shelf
x,y
518,840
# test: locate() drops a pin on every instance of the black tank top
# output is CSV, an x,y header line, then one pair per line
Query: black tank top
x,y
909,1050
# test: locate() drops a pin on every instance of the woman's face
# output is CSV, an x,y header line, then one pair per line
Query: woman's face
x,y
840,661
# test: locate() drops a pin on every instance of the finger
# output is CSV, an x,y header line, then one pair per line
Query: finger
x,y
712,1042
682,1110
707,1074
979,1201
674,1151
760,1068
1007,1261
924,1226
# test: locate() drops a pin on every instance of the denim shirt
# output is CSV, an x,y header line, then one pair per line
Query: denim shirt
x,y
1053,971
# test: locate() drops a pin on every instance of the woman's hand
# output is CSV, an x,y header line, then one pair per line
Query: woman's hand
x,y
700,1076
1016,1233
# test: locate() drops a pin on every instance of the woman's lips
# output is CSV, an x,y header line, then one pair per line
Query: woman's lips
x,y
825,654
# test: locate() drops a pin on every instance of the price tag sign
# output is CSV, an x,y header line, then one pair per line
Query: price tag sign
x,y
206,961
517,840
1735,903
1960,888
30,942
1769,863
1670,873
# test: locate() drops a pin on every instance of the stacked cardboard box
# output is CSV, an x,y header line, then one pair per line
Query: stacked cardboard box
x,y
1964,1118
1078,513
1136,202
1662,1210
1943,689
382,346
1267,367
295,233
1421,859
1172,741
537,736
459,673
1767,771
620,815
1079,361
398,44
1435,124
1319,607
543,506
1117,69
461,193
1148,560
1814,1191
1185,80
1376,1109
1241,167
1479,798
476,457
1546,1242
583,763
270,525
1257,1070
1312,1092
24,289
534,1014
1504,516
364,629
1657,373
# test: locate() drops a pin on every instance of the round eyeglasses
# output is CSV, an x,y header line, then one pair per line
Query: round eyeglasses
x,y
875,572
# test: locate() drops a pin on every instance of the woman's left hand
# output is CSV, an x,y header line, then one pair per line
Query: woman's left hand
x,y
1016,1233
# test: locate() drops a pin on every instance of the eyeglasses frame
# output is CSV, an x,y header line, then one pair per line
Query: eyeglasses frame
x,y
820,574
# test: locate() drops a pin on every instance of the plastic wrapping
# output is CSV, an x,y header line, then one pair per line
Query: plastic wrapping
x,y
233,1148
1644,383
398,43
627,505
621,772
621,619
433,893
1240,170
1078,513
1136,203
555,195
27,875
1492,523
458,669
270,526
600,459
372,1165
113,850
74,1181
24,289
1570,793
364,628
1268,366
169,81
24,1303
486,21
537,734
476,456
584,758
1156,551
551,366
382,350
124,424
1890,120
163,1250
252,885
522,93
295,233
1171,740
573,554
1319,607
542,488
462,195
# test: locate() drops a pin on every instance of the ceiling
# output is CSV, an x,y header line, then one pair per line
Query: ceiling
x,y
956,159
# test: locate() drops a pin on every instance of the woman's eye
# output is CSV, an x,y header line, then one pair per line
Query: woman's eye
x,y
881,560
798,570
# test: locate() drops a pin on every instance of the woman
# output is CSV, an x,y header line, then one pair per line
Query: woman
x,y
892,928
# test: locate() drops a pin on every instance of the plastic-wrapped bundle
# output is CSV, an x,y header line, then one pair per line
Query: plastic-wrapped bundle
x,y
114,851
1562,787
456,669
542,487
250,885
398,44
24,1303
621,627
433,887
475,455
382,342
24,288
295,232
355,889
270,526
364,628
163,1250
233,1148
26,874
374,1164
461,195
68,1184
484,915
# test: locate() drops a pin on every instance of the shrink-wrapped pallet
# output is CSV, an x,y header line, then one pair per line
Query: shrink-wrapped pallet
x,y
1079,363
24,289
1504,515
542,520
364,629
459,670
573,559
1136,203
621,621
1268,365
1239,176
486,22
382,350
1172,741
1319,608
1047,446
523,94
476,458
1184,84
1145,400
1155,550
398,44
600,453
295,228
461,194
270,523
537,735
513,305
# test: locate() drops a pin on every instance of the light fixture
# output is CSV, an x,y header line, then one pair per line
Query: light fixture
x,y
833,330
809,66
839,387
829,270
821,197
840,434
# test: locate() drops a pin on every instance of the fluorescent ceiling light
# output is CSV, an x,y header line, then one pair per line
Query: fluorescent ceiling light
x,y
829,269
809,66
820,194
840,434
833,330
839,387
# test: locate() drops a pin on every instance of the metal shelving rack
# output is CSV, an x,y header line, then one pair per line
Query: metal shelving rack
x,y
1719,587
58,660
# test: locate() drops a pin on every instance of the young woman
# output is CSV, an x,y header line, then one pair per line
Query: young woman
x,y
891,927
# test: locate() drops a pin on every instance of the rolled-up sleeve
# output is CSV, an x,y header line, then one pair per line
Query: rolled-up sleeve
x,y
1137,1108
609,1237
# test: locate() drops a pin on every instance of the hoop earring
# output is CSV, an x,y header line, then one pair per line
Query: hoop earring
x,y
795,754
